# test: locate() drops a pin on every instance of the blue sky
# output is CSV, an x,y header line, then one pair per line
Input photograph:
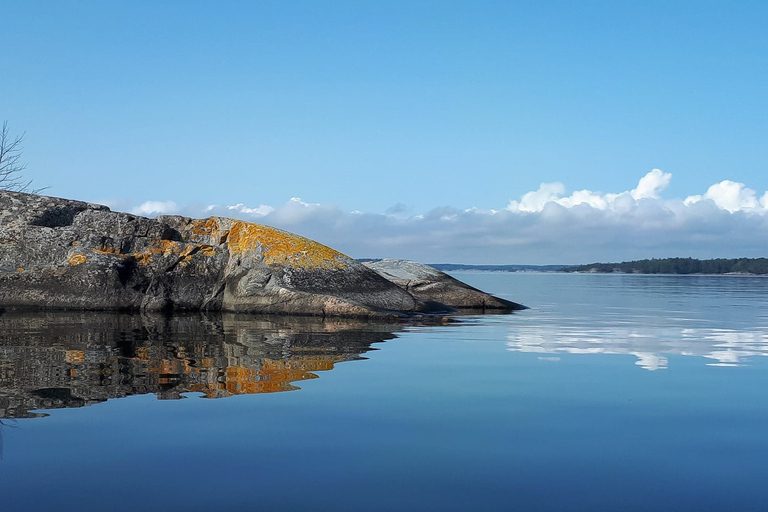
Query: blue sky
x,y
402,112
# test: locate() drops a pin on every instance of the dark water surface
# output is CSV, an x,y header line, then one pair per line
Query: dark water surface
x,y
614,392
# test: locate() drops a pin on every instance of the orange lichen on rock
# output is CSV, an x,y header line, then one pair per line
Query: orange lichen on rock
x,y
142,258
160,248
20,269
280,247
165,247
76,259
105,249
208,227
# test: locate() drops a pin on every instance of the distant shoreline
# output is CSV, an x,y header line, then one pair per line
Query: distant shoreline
x,y
664,266
679,266
452,267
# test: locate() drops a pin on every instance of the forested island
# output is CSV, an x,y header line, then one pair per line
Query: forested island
x,y
679,266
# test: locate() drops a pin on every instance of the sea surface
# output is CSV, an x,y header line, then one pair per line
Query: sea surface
x,y
613,392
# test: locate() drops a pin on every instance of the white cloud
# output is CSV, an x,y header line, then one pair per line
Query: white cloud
x,y
535,201
153,208
732,196
544,226
648,187
259,211
651,184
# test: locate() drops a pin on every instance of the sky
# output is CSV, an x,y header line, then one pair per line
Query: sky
x,y
467,132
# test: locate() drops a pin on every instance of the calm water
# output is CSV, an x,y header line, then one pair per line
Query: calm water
x,y
614,392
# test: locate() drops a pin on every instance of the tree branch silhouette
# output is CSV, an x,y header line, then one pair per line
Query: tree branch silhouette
x,y
11,167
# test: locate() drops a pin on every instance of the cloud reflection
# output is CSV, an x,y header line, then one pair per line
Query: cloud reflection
x,y
650,345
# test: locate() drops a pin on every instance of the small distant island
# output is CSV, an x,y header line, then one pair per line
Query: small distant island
x,y
746,266
756,266
459,267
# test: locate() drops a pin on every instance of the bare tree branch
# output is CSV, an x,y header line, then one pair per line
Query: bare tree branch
x,y
11,168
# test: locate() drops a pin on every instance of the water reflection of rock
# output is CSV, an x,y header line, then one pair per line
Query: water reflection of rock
x,y
54,360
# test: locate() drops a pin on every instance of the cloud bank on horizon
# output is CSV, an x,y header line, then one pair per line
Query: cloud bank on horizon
x,y
545,226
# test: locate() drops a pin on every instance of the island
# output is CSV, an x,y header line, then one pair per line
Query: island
x,y
71,255
753,266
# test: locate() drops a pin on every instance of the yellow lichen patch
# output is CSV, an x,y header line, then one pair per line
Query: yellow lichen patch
x,y
76,259
205,227
165,247
282,248
104,249
75,243
159,247
142,258
20,269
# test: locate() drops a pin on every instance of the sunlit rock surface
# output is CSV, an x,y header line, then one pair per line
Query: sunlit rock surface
x,y
429,284
64,254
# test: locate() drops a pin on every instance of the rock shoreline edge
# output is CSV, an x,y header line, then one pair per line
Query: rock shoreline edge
x,y
71,255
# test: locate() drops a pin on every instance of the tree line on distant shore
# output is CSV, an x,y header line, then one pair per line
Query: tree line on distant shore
x,y
679,266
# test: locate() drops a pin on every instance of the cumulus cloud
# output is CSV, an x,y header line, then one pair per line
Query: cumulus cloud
x,y
259,211
649,187
732,196
545,226
153,208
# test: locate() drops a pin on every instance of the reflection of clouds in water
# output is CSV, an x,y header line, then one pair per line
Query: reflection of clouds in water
x,y
650,361
725,347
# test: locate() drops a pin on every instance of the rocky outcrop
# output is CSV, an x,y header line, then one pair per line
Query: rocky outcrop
x,y
63,254
429,284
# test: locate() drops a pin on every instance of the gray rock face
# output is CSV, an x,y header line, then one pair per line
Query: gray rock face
x,y
429,284
62,254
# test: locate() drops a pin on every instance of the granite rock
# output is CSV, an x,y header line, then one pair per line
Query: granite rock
x,y
429,284
64,254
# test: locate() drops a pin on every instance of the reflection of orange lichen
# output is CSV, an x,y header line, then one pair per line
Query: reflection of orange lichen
x,y
74,356
301,364
273,375
245,381
76,259
281,247
190,369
